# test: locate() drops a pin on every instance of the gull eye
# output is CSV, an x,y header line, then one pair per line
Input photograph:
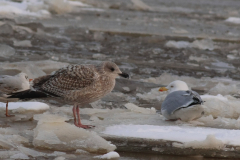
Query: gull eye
x,y
26,77
112,69
171,86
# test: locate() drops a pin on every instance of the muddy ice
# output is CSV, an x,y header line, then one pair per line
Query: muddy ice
x,y
156,42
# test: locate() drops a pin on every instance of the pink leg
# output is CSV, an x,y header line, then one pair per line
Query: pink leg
x,y
77,121
7,115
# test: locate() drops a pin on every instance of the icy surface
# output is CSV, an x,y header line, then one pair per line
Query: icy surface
x,y
109,155
28,106
174,133
200,44
6,51
52,132
223,106
235,20
137,109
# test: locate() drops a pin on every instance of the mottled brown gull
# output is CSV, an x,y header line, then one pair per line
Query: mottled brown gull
x,y
11,84
77,84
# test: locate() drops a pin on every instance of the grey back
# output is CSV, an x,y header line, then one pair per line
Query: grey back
x,y
180,99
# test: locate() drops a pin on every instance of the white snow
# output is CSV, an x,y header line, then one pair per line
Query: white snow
x,y
181,134
135,108
235,20
52,132
109,155
203,44
30,106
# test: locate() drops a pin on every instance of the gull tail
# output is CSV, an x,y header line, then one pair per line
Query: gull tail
x,y
28,94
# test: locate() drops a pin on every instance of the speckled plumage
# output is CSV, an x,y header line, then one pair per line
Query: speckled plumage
x,y
78,84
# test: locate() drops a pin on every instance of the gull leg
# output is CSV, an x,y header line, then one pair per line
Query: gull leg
x,y
74,114
7,115
79,124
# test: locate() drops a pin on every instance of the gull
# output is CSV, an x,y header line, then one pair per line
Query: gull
x,y
76,84
181,103
12,84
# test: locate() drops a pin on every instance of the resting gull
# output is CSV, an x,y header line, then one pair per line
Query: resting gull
x,y
11,84
76,84
181,103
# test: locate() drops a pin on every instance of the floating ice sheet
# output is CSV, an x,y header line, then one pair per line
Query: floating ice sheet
x,y
174,133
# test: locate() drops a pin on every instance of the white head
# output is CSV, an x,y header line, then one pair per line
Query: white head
x,y
175,86
23,76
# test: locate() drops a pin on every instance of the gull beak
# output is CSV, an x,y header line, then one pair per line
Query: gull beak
x,y
162,89
124,75
30,80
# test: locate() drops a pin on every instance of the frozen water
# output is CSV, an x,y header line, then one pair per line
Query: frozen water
x,y
175,133
219,106
135,108
52,132
154,94
209,143
24,43
6,51
109,155
19,156
203,44
140,5
234,20
80,151
25,106
34,69
223,89
179,44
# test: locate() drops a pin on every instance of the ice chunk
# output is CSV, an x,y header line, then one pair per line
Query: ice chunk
x,y
30,152
154,94
223,89
126,89
34,69
60,158
26,106
24,43
219,122
140,5
109,155
19,156
6,29
209,143
234,20
80,151
179,44
137,109
216,106
183,134
52,132
6,51
203,44
99,56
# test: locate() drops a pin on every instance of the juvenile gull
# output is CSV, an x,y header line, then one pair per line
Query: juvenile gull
x,y
77,84
181,103
11,84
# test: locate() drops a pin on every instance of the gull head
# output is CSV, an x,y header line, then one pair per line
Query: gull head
x,y
175,86
112,69
24,77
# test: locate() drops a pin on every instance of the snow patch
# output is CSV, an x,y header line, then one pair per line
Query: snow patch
x,y
234,20
29,106
109,155
181,134
135,108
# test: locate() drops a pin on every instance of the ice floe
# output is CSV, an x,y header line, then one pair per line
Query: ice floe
x,y
181,134
52,132
234,20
